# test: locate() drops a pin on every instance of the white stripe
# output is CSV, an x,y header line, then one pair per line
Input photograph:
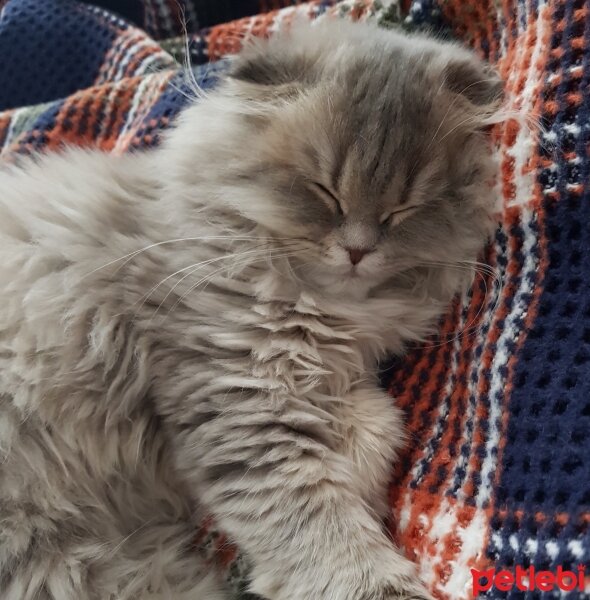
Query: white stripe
x,y
137,98
576,548
13,121
510,333
552,550
443,523
472,541
130,53
405,512
531,547
118,53
525,144
572,129
493,301
497,541
148,61
550,137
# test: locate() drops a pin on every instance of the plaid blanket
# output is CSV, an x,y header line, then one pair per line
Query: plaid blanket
x,y
497,472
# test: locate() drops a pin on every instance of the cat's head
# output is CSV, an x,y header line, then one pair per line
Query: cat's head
x,y
368,145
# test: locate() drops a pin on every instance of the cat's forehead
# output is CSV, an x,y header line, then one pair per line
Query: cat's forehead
x,y
378,137
377,94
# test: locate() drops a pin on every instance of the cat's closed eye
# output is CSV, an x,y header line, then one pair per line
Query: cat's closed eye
x,y
397,216
334,204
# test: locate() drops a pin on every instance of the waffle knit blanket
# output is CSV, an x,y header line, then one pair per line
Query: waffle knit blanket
x,y
497,472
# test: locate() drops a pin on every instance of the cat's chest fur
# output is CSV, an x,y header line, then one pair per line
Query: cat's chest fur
x,y
266,333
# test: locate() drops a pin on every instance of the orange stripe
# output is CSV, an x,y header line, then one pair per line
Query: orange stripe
x,y
458,398
511,216
119,52
5,121
134,63
578,43
522,66
120,106
65,130
419,434
405,399
226,39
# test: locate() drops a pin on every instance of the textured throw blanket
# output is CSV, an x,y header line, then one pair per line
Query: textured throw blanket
x,y
497,472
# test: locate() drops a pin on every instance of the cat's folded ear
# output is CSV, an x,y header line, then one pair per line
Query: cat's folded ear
x,y
474,80
267,70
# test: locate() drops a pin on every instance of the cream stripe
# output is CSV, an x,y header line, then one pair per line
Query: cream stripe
x,y
493,300
472,539
131,53
509,334
137,97
13,121
526,143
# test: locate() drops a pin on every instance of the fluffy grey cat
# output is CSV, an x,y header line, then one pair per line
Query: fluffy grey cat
x,y
197,328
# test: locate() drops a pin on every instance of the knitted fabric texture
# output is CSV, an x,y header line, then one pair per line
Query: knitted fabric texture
x,y
496,473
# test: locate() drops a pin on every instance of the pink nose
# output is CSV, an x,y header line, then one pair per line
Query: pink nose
x,y
356,254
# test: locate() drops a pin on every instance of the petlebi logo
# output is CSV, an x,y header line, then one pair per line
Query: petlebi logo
x,y
528,580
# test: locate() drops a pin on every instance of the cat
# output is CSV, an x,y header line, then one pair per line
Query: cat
x,y
196,329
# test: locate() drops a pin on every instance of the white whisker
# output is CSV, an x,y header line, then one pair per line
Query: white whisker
x,y
196,266
482,270
209,276
132,255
